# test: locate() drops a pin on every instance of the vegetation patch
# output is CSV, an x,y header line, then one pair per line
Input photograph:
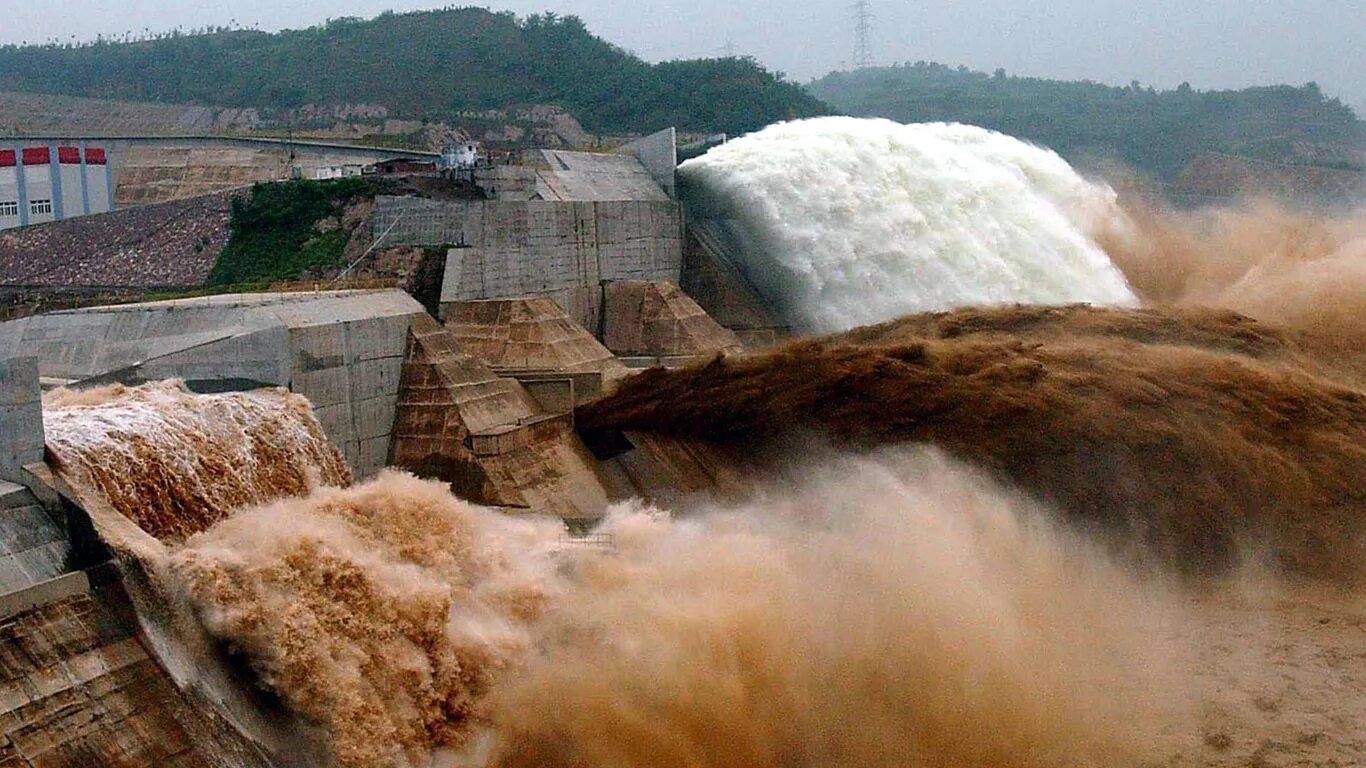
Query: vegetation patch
x,y
274,233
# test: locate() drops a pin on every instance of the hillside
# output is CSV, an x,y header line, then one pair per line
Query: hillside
x,y
1158,132
424,65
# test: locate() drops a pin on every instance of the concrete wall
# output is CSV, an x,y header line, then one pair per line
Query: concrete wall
x,y
34,548
544,248
655,319
343,350
658,153
487,437
552,174
21,416
717,283
78,688
350,369
508,182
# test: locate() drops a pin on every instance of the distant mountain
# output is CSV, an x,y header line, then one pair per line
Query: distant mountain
x,y
1159,132
425,65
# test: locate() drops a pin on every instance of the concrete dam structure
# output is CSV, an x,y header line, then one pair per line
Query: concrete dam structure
x,y
553,291
563,510
566,225
98,679
506,249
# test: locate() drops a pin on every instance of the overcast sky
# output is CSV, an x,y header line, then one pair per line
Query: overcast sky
x,y
1210,43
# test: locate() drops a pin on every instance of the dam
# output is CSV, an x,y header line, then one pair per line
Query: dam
x,y
552,292
318,525
387,384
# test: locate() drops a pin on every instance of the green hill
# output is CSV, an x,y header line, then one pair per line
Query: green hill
x,y
424,65
1156,131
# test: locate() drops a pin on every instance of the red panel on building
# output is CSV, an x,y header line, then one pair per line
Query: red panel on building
x,y
69,155
37,156
8,159
94,156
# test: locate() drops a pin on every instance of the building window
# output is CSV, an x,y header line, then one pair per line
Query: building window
x,y
9,208
40,207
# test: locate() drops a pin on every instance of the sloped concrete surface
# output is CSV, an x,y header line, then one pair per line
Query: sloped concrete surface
x,y
78,689
596,176
527,334
654,318
457,421
713,278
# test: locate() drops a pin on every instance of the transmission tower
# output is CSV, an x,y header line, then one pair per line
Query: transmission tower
x,y
863,28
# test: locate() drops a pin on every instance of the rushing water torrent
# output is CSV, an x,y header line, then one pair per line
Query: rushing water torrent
x,y
873,614
175,462
854,221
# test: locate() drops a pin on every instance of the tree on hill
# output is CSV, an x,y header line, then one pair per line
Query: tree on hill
x,y
1155,131
423,65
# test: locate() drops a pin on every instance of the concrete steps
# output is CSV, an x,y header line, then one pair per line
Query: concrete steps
x,y
33,547
14,495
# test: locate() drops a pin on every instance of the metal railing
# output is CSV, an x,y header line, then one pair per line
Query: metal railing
x,y
596,540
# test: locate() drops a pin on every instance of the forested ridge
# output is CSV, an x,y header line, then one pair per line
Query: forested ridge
x,y
422,65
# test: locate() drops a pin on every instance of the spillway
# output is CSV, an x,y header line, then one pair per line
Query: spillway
x,y
844,221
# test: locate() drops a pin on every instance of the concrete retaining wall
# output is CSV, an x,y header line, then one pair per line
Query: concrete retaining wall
x,y
560,249
33,547
658,153
21,416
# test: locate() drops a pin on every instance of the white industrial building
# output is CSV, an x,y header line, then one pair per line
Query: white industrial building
x,y
46,182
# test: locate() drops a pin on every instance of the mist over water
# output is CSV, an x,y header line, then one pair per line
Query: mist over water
x,y
383,612
872,611
860,610
857,221
886,610
1303,270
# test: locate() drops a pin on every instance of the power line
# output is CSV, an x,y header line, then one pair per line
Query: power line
x,y
863,30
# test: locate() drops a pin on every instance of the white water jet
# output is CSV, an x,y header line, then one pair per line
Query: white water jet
x,y
851,221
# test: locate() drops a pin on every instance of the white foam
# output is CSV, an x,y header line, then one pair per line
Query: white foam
x,y
854,221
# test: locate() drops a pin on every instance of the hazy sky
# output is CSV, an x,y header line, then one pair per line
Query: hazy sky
x,y
1210,43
